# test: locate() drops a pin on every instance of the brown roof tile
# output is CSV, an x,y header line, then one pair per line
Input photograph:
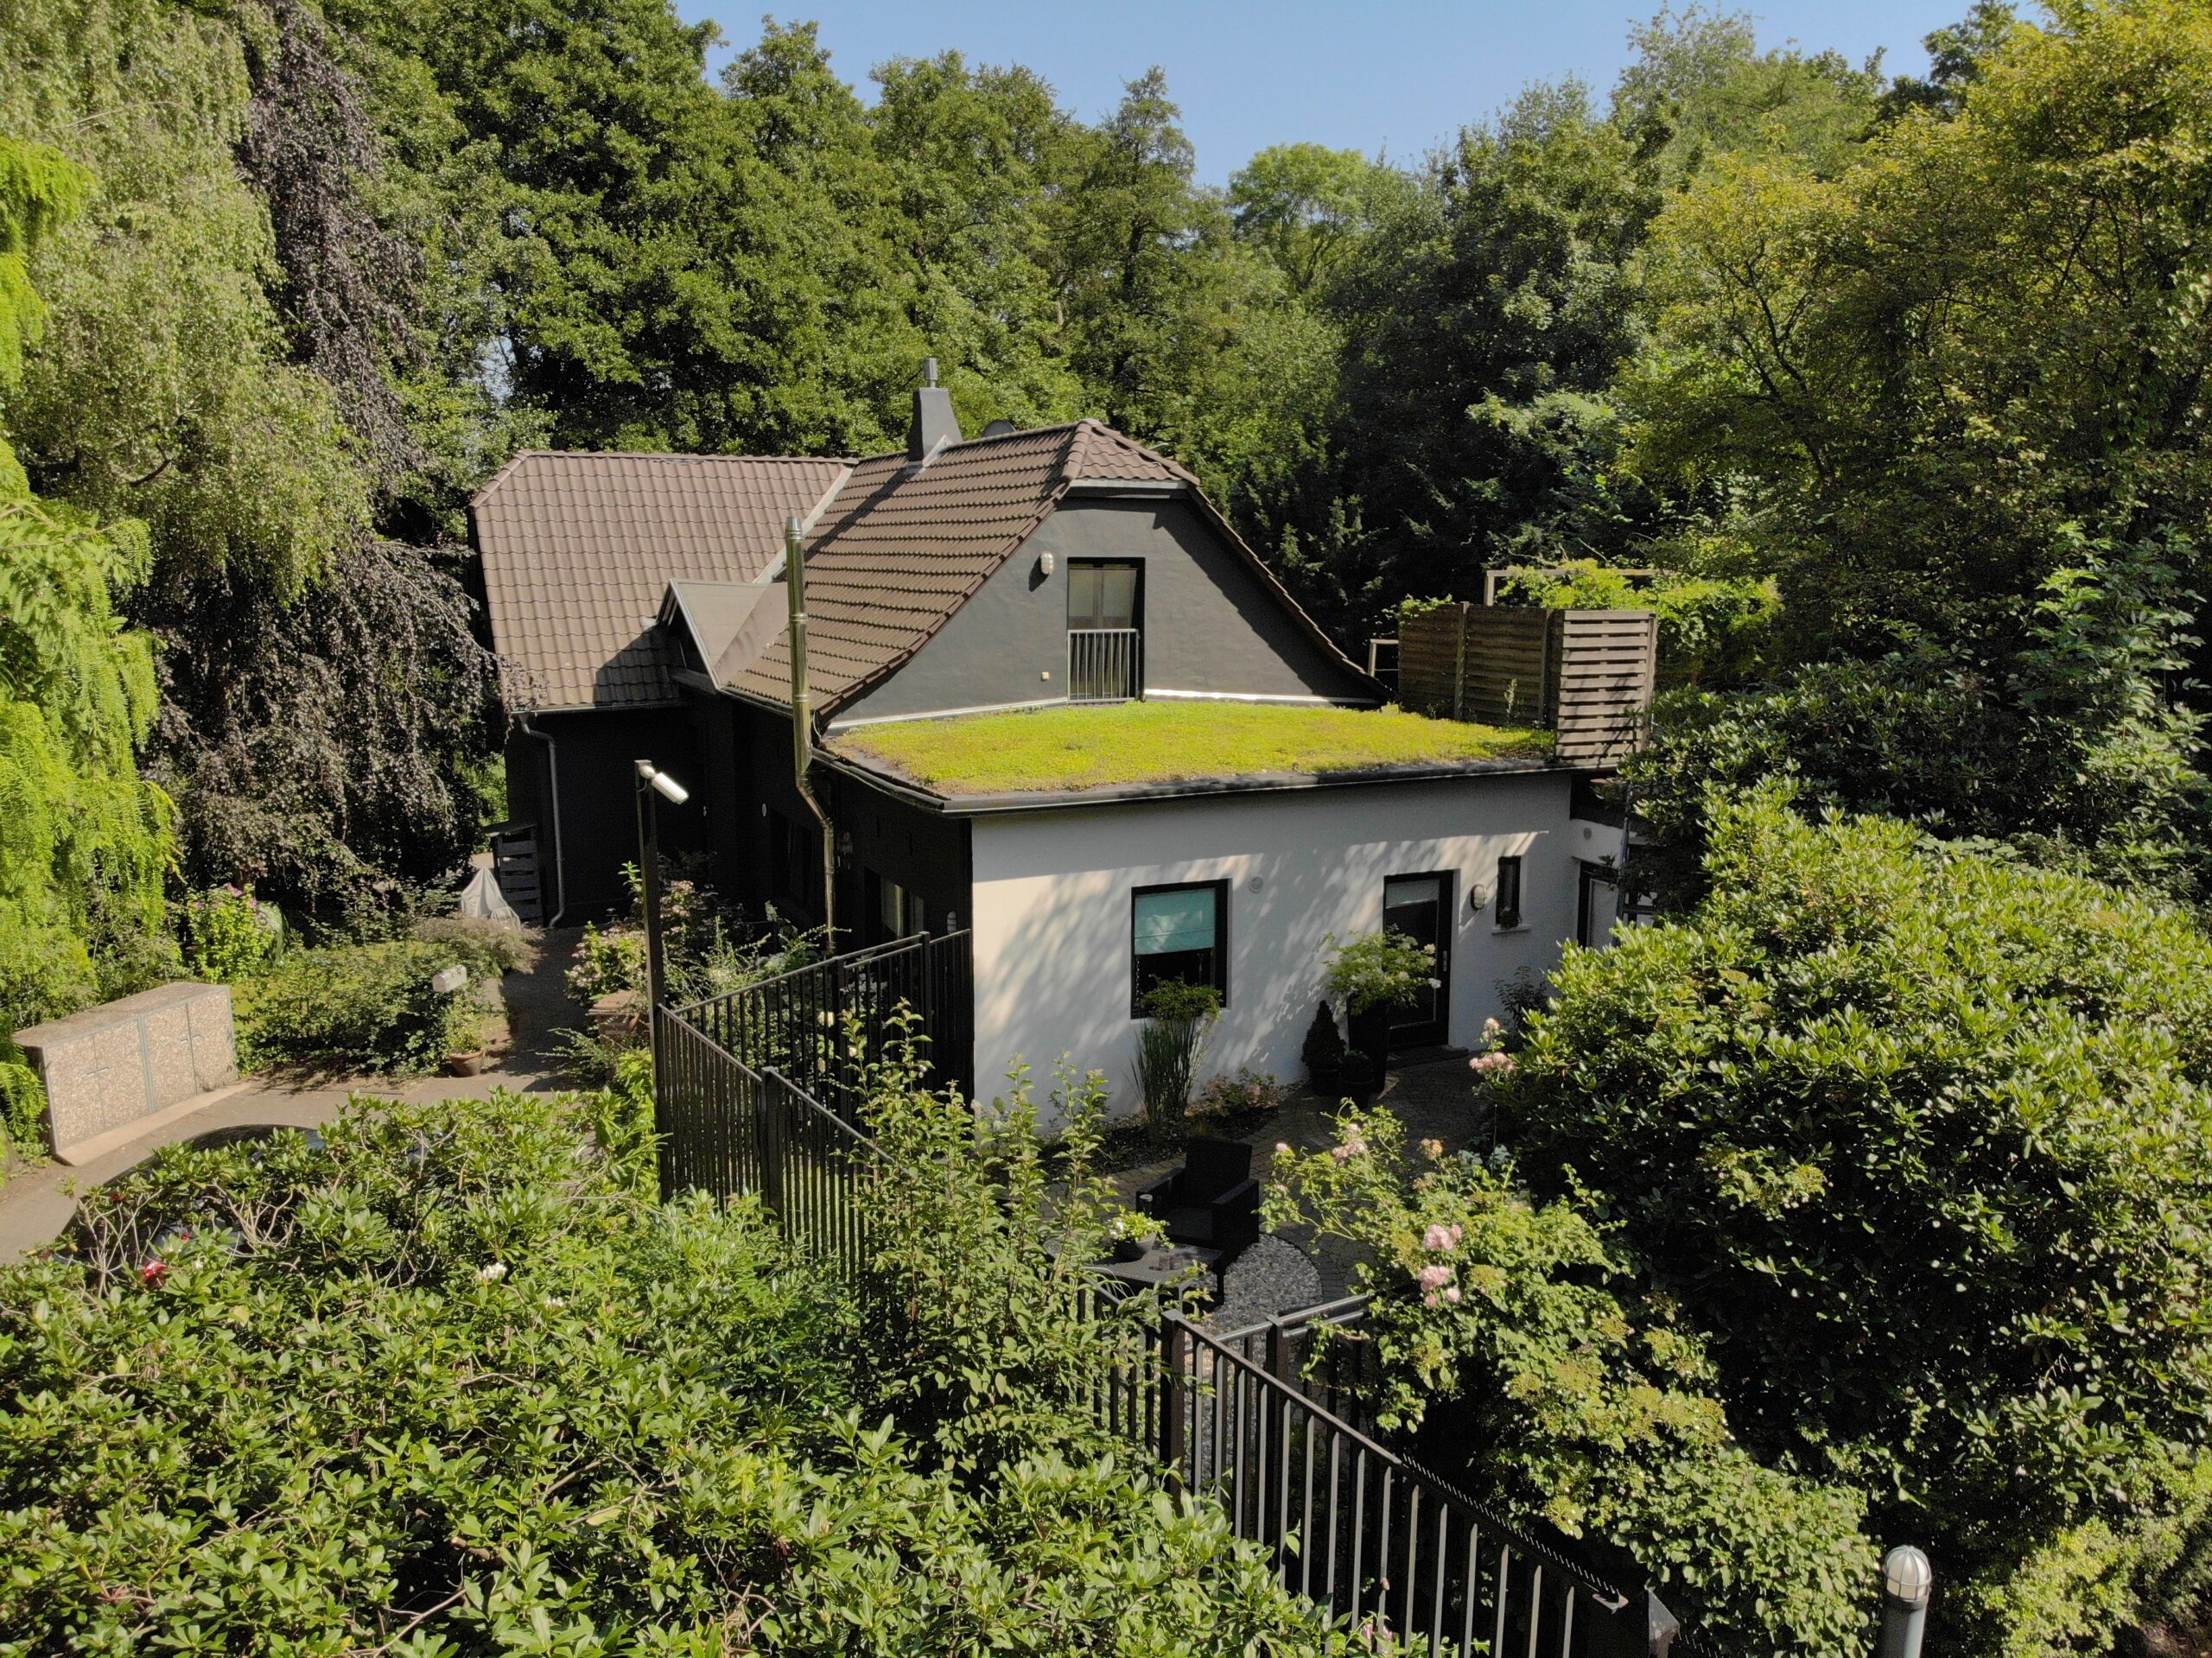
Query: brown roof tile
x,y
901,547
579,547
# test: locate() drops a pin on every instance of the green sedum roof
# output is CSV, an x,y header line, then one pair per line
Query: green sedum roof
x,y
1124,744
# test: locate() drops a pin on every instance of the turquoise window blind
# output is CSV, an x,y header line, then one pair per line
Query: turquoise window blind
x,y
1168,922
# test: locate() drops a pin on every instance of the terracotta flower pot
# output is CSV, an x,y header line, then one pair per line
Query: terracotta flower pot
x,y
464,1064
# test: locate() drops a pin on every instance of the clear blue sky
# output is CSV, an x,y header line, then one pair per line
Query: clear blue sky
x,y
1401,74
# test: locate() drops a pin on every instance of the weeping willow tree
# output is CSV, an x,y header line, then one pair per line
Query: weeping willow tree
x,y
84,841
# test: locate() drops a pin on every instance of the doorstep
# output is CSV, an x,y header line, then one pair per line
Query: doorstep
x,y
1436,1055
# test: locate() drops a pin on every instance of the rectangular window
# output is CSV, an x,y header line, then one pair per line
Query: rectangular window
x,y
1102,595
1179,933
1508,891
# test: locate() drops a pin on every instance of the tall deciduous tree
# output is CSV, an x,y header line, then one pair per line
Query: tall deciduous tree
x,y
84,843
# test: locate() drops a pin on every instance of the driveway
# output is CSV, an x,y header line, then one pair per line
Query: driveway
x,y
38,1195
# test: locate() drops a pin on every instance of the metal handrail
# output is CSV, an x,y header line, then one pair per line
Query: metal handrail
x,y
1105,664
867,953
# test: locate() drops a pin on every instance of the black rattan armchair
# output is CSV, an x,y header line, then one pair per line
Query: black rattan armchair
x,y
1211,1202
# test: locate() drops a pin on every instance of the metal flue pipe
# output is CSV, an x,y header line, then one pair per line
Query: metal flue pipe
x,y
803,722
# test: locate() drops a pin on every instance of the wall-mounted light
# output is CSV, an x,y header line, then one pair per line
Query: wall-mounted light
x,y
1044,564
1256,883
1477,898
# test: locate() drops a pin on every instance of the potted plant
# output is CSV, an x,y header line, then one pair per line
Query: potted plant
x,y
1176,1018
1361,1079
1323,1051
1377,973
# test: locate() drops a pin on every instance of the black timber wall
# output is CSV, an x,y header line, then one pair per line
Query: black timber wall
x,y
595,750
924,852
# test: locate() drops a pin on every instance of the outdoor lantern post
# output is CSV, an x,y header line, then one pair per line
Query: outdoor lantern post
x,y
651,782
1908,1581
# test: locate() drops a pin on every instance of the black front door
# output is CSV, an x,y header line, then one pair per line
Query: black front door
x,y
1420,907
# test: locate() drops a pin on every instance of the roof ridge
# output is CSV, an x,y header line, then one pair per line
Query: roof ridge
x,y
679,454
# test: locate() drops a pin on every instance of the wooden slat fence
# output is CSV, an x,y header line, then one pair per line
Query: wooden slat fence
x,y
1588,676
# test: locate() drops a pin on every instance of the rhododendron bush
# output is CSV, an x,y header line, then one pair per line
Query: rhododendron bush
x,y
1518,1353
456,1383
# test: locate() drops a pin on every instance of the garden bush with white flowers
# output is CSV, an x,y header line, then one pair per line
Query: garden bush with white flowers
x,y
1524,1358
457,1383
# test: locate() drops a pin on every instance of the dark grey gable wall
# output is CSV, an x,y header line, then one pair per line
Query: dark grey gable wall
x,y
1210,625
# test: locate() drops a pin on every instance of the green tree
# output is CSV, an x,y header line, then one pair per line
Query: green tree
x,y
1143,257
1699,89
980,160
1979,341
84,842
1923,1139
1308,208
1486,323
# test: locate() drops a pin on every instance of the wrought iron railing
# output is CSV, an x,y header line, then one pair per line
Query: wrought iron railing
x,y
1355,1526
1105,664
802,1025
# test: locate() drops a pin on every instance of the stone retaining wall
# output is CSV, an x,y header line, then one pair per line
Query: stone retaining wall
x,y
116,1065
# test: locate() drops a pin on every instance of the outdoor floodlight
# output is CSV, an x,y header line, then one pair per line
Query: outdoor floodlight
x,y
663,786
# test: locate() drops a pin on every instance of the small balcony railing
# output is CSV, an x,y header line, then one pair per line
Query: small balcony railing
x,y
1105,664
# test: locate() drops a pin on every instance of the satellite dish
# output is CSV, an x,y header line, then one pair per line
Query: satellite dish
x,y
999,428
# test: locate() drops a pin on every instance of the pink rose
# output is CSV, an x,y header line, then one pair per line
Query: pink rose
x,y
1437,1237
1452,1295
1435,1276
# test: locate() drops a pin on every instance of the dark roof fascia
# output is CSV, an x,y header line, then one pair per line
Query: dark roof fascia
x,y
640,705
1149,489
1042,800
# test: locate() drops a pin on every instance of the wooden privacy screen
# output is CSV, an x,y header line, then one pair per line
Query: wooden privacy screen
x,y
1586,675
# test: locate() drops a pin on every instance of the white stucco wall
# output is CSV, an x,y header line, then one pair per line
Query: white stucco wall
x,y
1051,908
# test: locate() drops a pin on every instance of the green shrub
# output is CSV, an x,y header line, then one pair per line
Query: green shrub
x,y
606,962
366,1007
1379,969
458,1384
1924,1138
489,949
1712,628
22,1098
1542,1373
1176,1017
224,936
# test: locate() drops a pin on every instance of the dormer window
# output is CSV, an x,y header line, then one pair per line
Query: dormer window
x,y
1105,637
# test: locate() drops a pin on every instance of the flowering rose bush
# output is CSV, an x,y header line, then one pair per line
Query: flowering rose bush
x,y
1524,1360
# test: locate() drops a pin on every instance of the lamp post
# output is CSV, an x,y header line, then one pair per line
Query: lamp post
x,y
1908,1582
651,782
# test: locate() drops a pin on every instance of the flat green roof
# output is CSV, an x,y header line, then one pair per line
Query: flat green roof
x,y
1121,744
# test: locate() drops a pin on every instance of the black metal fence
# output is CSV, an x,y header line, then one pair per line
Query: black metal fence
x,y
1356,1528
802,1025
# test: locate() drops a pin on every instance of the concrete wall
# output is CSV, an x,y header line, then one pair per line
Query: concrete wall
x,y
1051,908
1210,625
112,1069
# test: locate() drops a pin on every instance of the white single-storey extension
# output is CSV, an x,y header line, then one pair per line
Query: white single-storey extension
x,y
1268,877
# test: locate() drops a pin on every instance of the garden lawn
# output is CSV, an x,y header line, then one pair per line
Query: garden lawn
x,y
1116,743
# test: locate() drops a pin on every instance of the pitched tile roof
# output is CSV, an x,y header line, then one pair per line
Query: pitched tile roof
x,y
902,547
578,549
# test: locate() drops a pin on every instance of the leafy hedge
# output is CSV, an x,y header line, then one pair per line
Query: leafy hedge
x,y
459,1385
1924,1140
355,1008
